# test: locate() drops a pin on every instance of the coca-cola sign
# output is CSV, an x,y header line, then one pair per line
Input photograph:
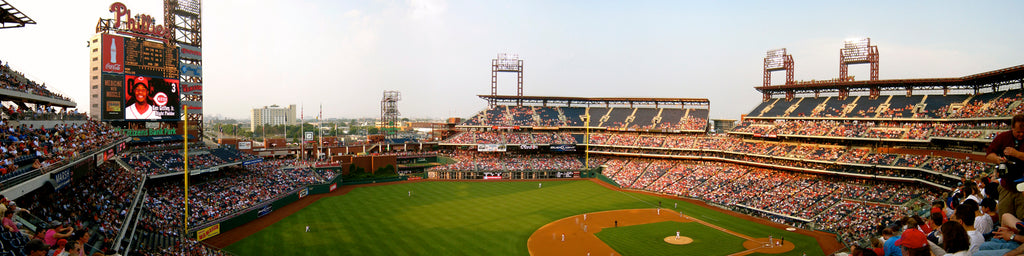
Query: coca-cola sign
x,y
141,23
113,53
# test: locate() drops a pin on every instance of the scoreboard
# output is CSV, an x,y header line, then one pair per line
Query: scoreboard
x,y
149,58
139,79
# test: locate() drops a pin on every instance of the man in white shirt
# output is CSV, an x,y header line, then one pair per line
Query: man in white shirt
x,y
965,215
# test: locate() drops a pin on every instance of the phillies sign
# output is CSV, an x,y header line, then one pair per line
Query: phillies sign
x,y
142,23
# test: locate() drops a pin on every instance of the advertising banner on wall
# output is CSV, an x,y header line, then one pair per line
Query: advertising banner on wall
x,y
188,88
209,232
491,147
190,52
563,147
62,178
245,145
265,210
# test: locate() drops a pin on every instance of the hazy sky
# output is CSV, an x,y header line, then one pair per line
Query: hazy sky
x,y
344,54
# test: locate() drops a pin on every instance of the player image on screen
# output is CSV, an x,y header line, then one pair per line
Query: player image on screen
x,y
150,98
142,107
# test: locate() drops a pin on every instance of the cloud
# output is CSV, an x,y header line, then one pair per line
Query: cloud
x,y
419,9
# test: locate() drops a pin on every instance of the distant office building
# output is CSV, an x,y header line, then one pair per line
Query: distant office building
x,y
272,115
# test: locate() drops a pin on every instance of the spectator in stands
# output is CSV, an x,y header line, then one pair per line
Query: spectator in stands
x,y
965,214
8,222
890,246
955,241
985,222
36,247
935,221
1006,148
913,240
141,109
59,231
858,251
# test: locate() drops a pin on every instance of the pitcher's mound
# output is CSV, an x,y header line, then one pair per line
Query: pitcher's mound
x,y
680,240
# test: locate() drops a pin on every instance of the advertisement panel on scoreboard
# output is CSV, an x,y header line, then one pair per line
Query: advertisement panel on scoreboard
x,y
151,98
112,98
112,56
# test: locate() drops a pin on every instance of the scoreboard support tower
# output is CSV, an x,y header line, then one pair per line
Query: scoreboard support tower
x,y
184,18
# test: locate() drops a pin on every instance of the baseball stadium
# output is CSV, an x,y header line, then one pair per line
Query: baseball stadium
x,y
842,166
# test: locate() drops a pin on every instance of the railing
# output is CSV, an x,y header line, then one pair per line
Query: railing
x,y
133,211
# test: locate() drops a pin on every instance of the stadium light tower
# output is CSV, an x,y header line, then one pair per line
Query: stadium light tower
x,y
389,114
776,60
858,51
506,63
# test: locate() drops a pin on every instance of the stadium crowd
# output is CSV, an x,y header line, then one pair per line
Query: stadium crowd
x,y
96,204
499,137
494,161
904,130
15,80
791,154
25,148
228,191
841,205
558,117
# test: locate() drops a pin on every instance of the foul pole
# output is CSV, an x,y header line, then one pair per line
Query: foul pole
x,y
185,109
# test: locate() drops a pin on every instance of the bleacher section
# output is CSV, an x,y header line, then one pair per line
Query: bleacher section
x,y
643,118
574,116
867,107
670,117
806,106
932,106
935,106
617,117
548,116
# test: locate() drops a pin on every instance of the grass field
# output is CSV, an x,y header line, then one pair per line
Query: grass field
x,y
459,218
647,239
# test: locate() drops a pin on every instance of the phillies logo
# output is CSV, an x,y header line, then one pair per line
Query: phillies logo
x,y
160,98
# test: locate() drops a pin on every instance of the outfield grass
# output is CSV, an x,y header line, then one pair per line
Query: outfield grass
x,y
649,239
458,218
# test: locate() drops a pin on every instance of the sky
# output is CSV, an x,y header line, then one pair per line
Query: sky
x,y
344,54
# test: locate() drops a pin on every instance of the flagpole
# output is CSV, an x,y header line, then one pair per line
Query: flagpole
x,y
302,133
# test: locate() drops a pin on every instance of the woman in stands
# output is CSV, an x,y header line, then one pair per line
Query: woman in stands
x,y
955,241
141,109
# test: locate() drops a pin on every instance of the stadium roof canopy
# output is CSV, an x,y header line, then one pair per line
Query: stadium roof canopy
x,y
569,101
10,17
992,79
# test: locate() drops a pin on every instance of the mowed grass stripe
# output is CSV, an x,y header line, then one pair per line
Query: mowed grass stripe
x,y
456,218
